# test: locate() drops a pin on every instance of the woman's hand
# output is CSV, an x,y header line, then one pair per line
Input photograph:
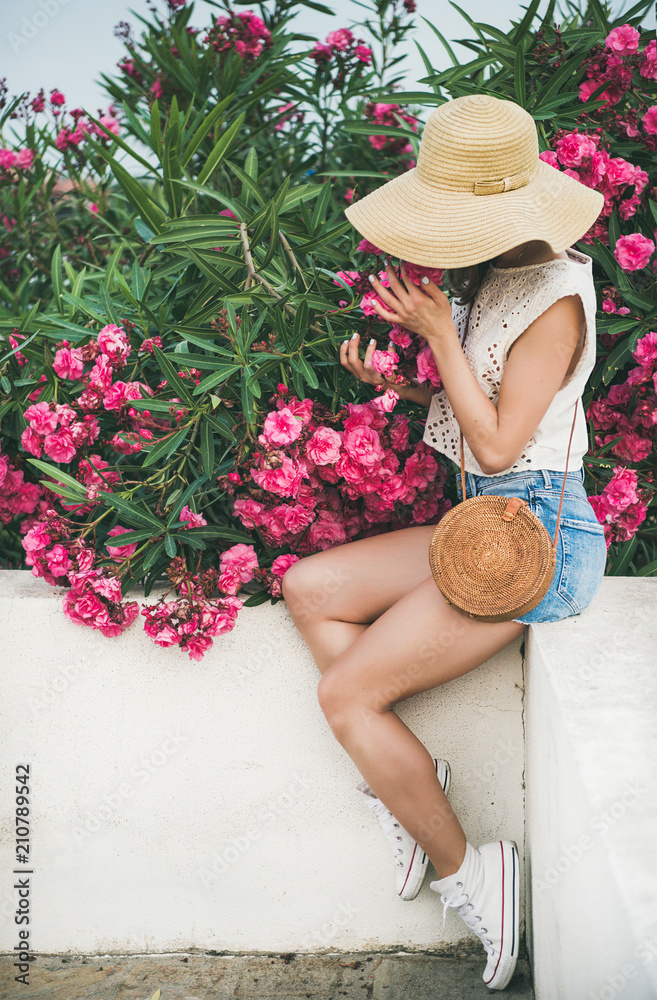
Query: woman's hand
x,y
426,312
366,372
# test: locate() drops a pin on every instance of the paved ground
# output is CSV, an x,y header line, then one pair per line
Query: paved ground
x,y
357,976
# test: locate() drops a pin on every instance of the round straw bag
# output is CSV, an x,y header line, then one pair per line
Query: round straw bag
x,y
491,557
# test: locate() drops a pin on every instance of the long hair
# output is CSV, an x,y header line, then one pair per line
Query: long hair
x,y
466,281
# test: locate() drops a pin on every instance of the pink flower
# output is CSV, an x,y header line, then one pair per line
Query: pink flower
x,y
59,446
648,67
364,54
650,120
340,39
621,490
109,122
41,418
24,159
400,336
118,550
321,52
634,252
645,351
31,441
549,157
326,532
363,445
58,560
281,427
284,480
101,375
386,401
624,41
197,645
281,564
324,446
385,362
193,520
57,98
68,363
115,396
249,511
426,368
113,342
572,149
7,158
241,560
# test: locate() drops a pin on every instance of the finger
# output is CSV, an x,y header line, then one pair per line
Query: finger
x,y
371,347
389,317
344,355
384,293
400,290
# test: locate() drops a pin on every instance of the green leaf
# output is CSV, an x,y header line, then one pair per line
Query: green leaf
x,y
59,477
621,563
619,357
444,43
56,276
131,537
172,377
156,132
170,546
153,555
207,448
202,131
171,168
218,376
220,149
301,364
130,511
174,516
519,77
165,446
124,145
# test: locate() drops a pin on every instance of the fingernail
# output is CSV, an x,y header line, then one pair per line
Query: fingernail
x,y
373,340
370,278
354,335
345,341
425,280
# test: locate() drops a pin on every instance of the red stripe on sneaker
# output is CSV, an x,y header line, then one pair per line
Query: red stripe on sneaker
x,y
409,870
487,981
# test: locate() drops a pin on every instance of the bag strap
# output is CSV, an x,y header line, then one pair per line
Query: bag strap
x,y
570,441
563,484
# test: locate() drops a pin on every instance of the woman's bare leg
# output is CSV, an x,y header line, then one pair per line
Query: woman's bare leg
x,y
334,595
416,643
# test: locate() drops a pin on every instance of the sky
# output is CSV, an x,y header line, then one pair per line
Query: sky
x,y
67,43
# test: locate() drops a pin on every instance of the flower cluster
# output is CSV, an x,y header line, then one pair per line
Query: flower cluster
x,y
322,478
243,32
620,508
388,114
194,616
581,157
56,552
60,430
629,409
341,46
16,496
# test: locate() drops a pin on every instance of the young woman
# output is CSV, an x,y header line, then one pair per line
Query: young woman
x,y
481,204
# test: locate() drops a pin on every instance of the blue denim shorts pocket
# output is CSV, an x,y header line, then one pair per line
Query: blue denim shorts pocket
x,y
581,553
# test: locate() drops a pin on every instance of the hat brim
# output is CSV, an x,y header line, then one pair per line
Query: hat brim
x,y
435,227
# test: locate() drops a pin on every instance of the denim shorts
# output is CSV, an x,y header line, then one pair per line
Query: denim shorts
x,y
581,547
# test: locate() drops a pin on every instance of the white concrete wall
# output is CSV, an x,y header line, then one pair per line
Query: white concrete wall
x,y
591,821
181,805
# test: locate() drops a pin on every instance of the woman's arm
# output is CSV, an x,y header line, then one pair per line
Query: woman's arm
x,y
534,371
535,368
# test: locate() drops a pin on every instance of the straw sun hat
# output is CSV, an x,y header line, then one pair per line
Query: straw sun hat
x,y
478,190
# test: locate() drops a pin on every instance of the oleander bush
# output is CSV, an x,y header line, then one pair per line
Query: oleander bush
x,y
177,274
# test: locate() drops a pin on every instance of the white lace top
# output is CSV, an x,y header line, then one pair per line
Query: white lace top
x,y
508,300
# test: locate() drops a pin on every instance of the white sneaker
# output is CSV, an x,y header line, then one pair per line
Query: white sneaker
x,y
411,860
485,894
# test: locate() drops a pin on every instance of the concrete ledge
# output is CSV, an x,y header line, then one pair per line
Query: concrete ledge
x,y
180,806
592,798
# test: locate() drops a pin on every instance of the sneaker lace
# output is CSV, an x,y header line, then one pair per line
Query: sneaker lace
x,y
389,825
461,902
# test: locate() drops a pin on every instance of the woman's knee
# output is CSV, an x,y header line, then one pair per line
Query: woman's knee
x,y
347,710
306,587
